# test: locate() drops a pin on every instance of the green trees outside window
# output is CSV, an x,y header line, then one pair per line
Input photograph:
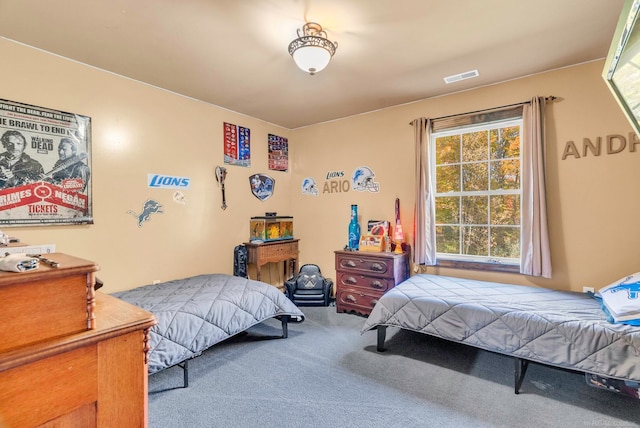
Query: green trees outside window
x,y
477,176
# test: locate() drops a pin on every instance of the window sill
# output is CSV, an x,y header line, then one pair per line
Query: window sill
x,y
484,266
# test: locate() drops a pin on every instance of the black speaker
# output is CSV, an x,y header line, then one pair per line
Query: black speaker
x,y
240,261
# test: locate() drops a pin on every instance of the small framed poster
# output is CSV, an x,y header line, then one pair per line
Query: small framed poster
x,y
278,153
237,145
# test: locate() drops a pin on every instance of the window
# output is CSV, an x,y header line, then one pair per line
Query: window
x,y
476,171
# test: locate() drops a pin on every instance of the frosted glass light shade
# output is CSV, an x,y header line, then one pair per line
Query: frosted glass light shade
x,y
311,58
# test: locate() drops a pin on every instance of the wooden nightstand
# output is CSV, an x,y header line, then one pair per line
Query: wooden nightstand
x,y
361,278
273,252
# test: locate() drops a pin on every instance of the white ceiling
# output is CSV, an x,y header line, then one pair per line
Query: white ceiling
x,y
233,53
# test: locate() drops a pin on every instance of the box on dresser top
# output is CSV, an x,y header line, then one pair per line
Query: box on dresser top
x,y
361,278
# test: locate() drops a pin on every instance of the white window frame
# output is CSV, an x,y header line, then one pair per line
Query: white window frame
x,y
470,129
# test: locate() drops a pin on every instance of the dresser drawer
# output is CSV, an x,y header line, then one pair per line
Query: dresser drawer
x,y
277,251
383,265
363,264
372,283
35,393
355,300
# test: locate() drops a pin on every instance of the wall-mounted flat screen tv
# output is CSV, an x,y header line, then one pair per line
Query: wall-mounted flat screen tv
x,y
622,68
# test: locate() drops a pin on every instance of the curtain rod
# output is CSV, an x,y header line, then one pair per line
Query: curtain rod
x,y
549,98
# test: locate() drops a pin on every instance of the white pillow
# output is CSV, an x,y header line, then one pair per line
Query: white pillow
x,y
621,299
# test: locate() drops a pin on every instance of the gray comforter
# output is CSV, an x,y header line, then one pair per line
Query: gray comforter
x,y
564,329
196,313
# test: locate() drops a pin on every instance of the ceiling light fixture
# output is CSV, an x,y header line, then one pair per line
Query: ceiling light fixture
x,y
312,51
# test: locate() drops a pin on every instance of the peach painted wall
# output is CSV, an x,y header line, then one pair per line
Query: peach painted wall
x,y
139,129
593,200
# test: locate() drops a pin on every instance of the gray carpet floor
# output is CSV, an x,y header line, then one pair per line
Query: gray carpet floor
x,y
327,374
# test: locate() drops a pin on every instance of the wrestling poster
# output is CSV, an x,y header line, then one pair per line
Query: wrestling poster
x,y
45,166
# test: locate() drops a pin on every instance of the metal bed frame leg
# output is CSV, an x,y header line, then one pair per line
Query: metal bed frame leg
x,y
185,372
285,327
519,371
382,334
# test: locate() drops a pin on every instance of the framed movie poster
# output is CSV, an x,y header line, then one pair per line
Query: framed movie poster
x,y
45,166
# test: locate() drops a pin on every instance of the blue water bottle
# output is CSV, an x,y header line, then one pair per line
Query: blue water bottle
x,y
354,229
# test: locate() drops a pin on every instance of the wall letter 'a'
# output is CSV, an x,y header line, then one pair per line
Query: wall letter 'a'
x,y
570,149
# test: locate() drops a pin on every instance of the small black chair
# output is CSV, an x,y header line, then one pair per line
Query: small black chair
x,y
309,287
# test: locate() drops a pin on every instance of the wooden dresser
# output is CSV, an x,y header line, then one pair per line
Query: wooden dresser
x,y
70,356
362,277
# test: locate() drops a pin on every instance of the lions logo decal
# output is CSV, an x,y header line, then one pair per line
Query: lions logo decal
x,y
309,187
262,186
150,207
362,180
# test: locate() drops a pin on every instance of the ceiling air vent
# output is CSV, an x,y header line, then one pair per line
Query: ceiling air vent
x,y
461,76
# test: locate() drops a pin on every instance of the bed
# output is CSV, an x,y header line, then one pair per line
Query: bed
x,y
562,329
196,313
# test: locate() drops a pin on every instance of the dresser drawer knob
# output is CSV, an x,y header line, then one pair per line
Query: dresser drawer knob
x,y
373,302
377,284
350,263
350,298
377,267
350,280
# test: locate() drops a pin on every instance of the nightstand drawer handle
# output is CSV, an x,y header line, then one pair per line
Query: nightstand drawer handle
x,y
351,298
377,267
350,280
377,284
350,263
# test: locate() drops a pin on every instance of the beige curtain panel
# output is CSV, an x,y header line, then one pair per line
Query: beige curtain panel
x,y
535,257
424,234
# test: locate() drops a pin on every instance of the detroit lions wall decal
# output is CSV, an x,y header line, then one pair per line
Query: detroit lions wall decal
x,y
309,186
179,197
362,180
262,186
149,207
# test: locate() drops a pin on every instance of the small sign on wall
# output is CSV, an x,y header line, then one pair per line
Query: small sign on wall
x,y
237,145
278,153
262,186
160,181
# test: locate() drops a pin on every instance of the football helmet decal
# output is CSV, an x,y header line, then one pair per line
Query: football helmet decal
x,y
309,187
362,180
